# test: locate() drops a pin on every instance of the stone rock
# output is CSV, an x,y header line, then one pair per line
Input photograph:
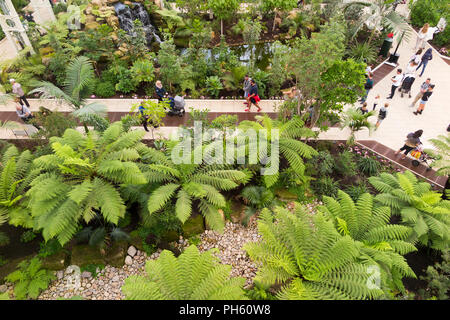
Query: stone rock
x,y
116,254
3,288
60,274
86,275
128,260
55,262
131,251
193,226
85,254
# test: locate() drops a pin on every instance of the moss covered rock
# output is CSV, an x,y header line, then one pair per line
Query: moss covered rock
x,y
284,194
116,255
193,226
170,236
55,262
85,254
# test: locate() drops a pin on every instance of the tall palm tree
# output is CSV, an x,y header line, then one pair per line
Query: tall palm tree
x,y
379,14
77,88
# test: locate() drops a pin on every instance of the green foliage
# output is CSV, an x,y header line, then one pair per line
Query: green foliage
x,y
223,9
191,276
53,124
192,7
126,81
30,279
135,43
27,236
48,248
189,182
322,164
92,268
355,191
438,279
325,185
368,166
428,11
441,154
102,236
345,164
97,43
153,112
105,89
420,208
383,244
362,52
225,121
256,198
289,147
79,180
309,259
143,70
213,86
355,120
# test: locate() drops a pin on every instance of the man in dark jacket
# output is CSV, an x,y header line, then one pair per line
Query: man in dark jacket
x,y
427,56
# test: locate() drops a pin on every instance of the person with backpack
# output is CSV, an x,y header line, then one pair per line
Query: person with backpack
x,y
367,86
411,142
423,88
424,100
427,56
381,115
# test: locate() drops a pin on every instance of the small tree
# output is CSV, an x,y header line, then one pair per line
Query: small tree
x,y
172,71
223,9
153,113
269,6
192,7
251,32
355,120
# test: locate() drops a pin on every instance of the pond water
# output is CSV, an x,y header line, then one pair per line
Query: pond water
x,y
263,53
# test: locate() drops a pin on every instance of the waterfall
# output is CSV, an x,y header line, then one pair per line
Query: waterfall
x,y
127,15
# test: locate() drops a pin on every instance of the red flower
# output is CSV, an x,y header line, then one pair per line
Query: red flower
x,y
390,35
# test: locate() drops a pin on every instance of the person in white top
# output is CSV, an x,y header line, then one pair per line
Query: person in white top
x,y
396,81
416,57
411,69
422,37
18,91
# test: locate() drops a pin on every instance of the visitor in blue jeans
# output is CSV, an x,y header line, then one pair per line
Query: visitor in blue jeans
x,y
427,56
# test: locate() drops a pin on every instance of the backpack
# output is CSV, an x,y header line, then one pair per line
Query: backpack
x,y
382,114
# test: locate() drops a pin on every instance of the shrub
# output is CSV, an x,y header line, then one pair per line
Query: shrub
x,y
438,278
356,191
362,52
325,185
30,279
428,11
323,163
48,248
213,86
105,89
369,166
27,236
344,164
193,275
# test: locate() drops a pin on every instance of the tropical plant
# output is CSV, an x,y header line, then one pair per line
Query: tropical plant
x,y
53,124
80,179
325,185
275,6
105,89
78,82
172,70
362,52
188,181
283,137
420,208
213,86
379,14
355,120
256,198
344,164
383,243
102,236
322,163
368,166
438,279
152,112
191,276
16,175
30,279
355,191
233,79
223,9
308,258
143,70
441,154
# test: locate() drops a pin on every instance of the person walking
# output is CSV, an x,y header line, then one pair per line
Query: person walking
x,y
375,103
416,57
160,91
367,86
17,90
24,113
363,109
411,142
427,56
396,81
423,88
424,100
381,115
422,37
253,96
246,88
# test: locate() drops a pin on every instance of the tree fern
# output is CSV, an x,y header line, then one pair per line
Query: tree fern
x,y
191,276
80,180
383,243
420,208
309,258
188,185
290,148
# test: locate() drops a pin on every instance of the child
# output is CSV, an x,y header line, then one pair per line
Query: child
x,y
382,115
